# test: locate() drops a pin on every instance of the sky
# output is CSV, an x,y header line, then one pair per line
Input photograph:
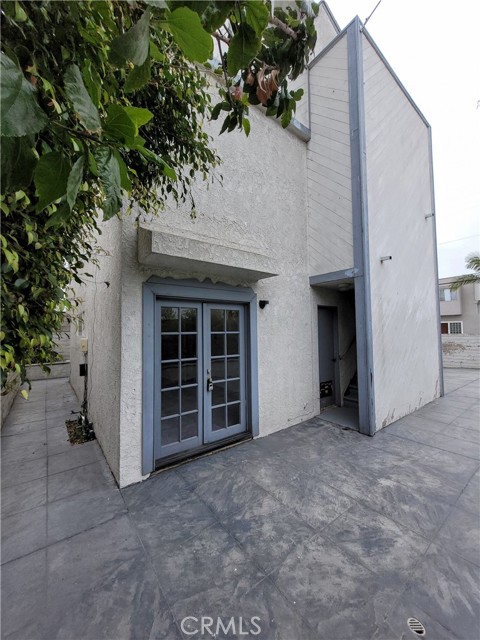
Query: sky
x,y
434,48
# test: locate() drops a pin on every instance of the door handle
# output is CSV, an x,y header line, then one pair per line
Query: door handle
x,y
209,381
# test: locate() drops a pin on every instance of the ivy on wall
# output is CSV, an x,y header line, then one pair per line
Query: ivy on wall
x,y
104,102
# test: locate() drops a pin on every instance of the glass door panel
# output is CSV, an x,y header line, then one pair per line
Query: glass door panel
x,y
178,411
224,356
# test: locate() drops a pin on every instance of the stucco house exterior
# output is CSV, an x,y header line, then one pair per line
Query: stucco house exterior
x,y
305,275
460,324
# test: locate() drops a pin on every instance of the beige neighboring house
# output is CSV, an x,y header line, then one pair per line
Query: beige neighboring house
x,y
460,323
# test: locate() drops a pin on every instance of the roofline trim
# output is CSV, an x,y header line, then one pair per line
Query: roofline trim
x,y
330,15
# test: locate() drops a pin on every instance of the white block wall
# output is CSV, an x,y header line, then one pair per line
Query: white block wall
x,y
461,352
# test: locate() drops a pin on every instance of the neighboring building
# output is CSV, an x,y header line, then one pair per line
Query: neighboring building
x,y
460,324
309,273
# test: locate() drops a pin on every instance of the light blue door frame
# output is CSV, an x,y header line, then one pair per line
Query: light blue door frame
x,y
190,294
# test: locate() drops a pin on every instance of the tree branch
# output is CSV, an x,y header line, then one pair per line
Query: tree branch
x,y
283,27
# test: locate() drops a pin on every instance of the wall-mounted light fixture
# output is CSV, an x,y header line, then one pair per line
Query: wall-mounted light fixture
x,y
262,303
385,258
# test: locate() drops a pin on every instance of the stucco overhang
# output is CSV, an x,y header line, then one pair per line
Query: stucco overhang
x,y
186,251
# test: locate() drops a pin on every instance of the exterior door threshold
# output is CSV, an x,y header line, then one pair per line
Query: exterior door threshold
x,y
200,452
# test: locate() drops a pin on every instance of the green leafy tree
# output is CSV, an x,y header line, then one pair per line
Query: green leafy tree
x,y
103,103
472,263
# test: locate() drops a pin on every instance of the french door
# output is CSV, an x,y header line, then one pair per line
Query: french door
x,y
200,375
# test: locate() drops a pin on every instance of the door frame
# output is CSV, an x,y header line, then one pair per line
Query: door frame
x,y
336,353
194,291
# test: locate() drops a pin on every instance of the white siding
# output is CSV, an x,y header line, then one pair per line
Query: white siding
x,y
403,290
330,239
326,32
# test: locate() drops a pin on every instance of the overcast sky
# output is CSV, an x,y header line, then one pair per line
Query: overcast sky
x,y
434,48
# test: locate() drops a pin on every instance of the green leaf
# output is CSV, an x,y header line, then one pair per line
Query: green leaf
x,y
74,181
187,31
124,177
51,176
21,115
244,46
159,4
138,115
109,173
59,217
134,44
138,76
17,164
119,125
216,13
75,89
93,82
160,162
246,126
257,15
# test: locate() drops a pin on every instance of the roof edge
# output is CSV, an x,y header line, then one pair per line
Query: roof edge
x,y
330,45
330,15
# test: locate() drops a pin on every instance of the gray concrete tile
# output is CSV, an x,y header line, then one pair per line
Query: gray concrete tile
x,y
469,499
24,597
24,496
437,440
101,585
22,428
77,456
314,501
211,566
262,603
267,531
82,511
68,483
23,533
28,446
337,596
201,470
461,533
382,545
172,524
14,472
159,490
448,588
229,491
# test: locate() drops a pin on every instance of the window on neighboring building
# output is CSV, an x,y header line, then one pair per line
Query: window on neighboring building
x,y
447,295
81,325
452,327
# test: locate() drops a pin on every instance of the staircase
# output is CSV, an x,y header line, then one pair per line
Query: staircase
x,y
350,397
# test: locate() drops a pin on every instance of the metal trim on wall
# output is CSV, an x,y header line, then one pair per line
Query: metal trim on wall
x,y
156,287
363,308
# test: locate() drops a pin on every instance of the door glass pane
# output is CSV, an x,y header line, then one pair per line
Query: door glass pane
x,y
233,414
218,344
189,319
218,369
232,320
233,367
169,374
189,425
218,393
169,319
189,346
170,430
169,347
233,391
218,418
217,319
233,343
189,372
170,402
189,398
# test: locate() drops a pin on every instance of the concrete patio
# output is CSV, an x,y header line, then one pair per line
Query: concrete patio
x,y
317,531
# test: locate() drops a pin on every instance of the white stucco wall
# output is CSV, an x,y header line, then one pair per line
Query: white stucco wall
x,y
403,290
261,204
101,307
330,236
